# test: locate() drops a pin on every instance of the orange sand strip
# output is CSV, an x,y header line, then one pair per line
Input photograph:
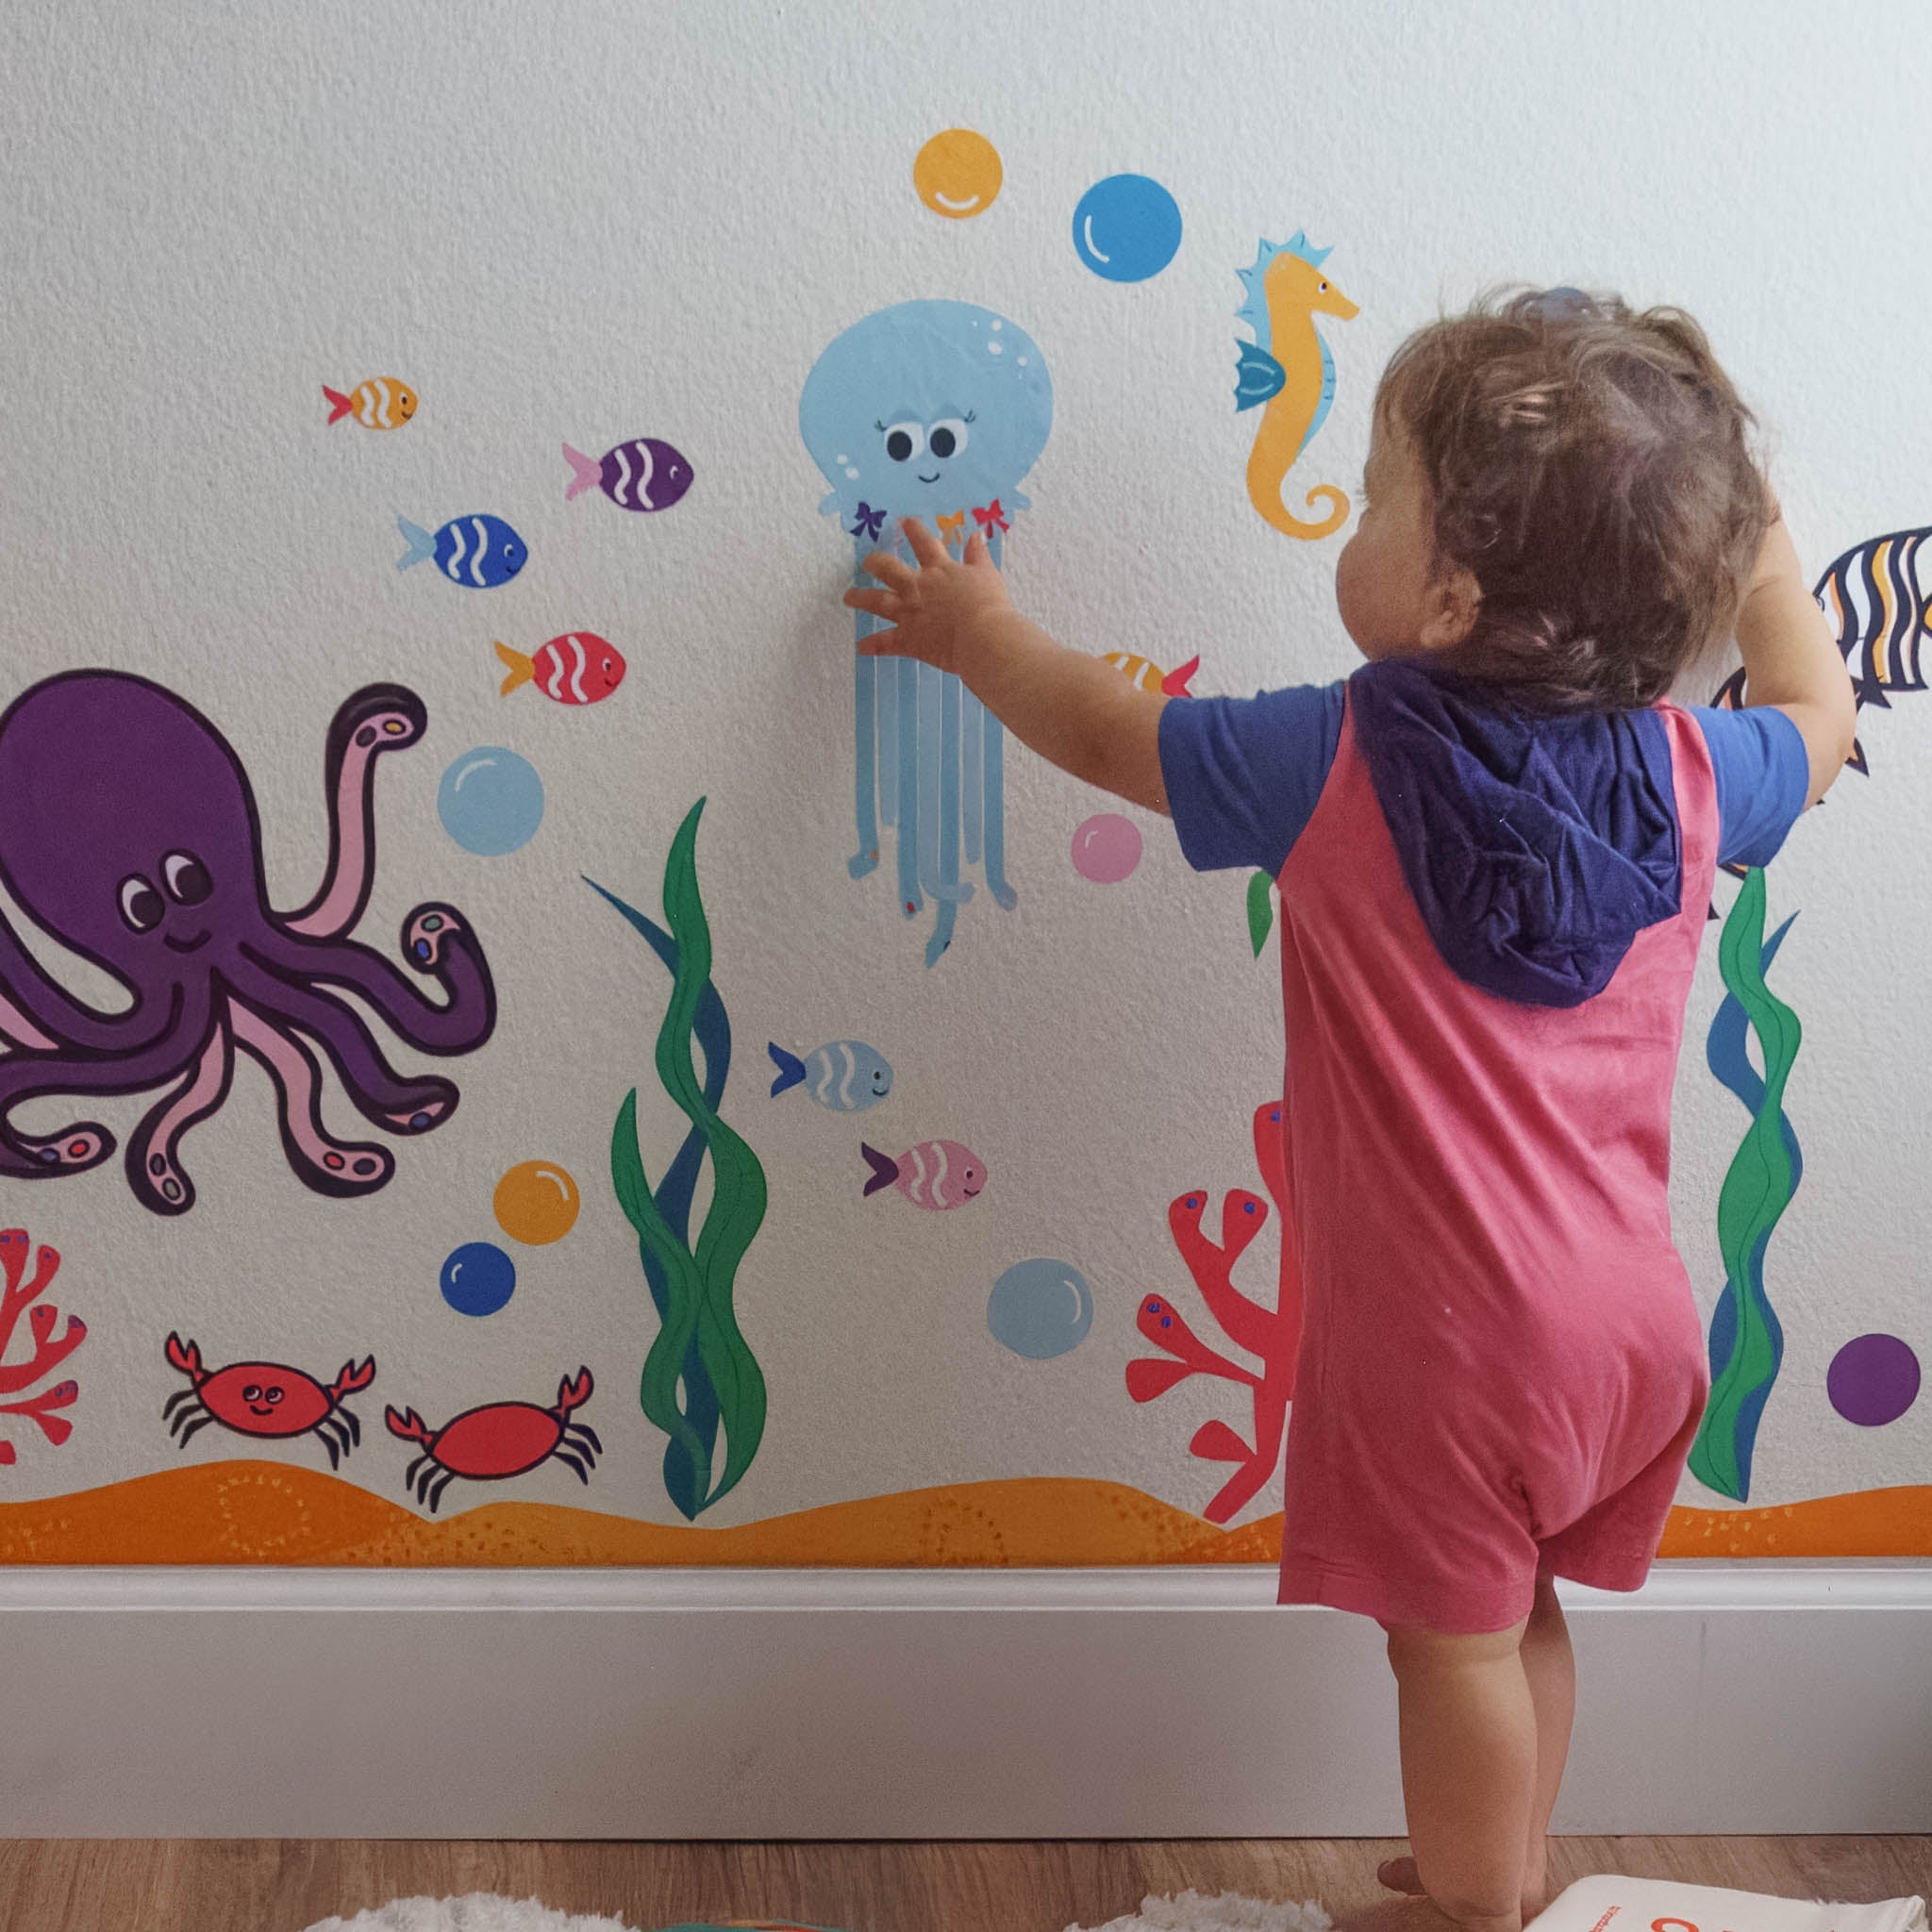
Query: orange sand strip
x,y
263,1512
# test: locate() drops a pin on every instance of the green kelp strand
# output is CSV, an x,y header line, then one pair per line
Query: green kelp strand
x,y
1756,1191
737,1202
665,1363
1260,910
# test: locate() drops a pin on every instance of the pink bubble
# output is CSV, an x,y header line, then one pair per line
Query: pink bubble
x,y
1107,848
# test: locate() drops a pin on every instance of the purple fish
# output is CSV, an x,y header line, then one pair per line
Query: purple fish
x,y
642,474
936,1174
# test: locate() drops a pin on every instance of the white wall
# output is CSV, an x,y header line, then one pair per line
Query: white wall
x,y
585,222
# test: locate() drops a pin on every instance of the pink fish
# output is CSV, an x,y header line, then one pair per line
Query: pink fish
x,y
936,1174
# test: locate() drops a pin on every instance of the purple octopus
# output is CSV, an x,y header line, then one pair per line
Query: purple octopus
x,y
128,832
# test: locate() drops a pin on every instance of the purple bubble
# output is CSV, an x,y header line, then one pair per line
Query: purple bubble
x,y
1107,848
1872,1380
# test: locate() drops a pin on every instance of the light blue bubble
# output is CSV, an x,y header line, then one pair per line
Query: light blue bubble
x,y
1126,228
479,1278
1041,1308
491,801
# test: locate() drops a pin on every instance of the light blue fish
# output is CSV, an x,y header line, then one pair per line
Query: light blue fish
x,y
479,551
846,1075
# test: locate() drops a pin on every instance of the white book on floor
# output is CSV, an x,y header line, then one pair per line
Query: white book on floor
x,y
1607,1902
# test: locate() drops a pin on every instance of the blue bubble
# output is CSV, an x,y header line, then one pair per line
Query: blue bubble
x,y
491,801
479,1278
1041,1308
1126,228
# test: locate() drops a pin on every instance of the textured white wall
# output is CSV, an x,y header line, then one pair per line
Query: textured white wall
x,y
591,221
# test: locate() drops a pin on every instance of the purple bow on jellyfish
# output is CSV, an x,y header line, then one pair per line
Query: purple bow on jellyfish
x,y
128,833
928,410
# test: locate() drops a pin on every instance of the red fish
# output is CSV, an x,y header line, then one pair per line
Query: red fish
x,y
578,668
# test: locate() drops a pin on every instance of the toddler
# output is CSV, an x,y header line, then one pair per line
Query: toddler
x,y
1494,845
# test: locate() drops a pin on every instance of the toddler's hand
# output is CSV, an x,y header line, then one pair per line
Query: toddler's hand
x,y
932,609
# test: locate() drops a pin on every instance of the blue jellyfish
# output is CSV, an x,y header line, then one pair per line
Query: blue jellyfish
x,y
935,409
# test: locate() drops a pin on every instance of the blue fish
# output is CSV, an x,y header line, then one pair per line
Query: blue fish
x,y
846,1075
479,551
1257,377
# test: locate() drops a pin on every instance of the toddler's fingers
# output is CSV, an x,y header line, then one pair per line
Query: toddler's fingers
x,y
925,546
978,553
883,643
873,603
888,569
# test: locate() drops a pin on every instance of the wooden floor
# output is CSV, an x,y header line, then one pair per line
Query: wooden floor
x,y
269,1885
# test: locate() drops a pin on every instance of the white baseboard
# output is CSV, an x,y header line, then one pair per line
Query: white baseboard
x,y
720,1703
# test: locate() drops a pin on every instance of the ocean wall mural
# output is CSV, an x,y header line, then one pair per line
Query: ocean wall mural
x,y
545,1050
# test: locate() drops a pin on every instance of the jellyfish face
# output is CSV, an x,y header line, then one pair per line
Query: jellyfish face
x,y
925,407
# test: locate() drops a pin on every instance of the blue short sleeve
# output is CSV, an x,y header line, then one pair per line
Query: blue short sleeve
x,y
1244,775
1763,780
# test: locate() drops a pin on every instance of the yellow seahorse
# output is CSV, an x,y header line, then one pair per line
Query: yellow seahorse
x,y
1289,368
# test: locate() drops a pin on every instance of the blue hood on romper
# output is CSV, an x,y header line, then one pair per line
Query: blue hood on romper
x,y
1537,847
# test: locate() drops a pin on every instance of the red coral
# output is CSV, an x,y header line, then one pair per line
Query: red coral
x,y
16,1297
1273,1334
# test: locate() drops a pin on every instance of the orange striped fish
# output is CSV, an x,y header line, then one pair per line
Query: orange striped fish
x,y
381,403
578,668
1145,675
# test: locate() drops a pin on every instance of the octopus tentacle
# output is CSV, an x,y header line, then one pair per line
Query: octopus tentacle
x,y
84,1144
36,1011
437,942
377,718
391,1099
321,1162
154,1167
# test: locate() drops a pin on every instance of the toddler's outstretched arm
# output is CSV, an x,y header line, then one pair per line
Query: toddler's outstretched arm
x,y
1076,712
1792,661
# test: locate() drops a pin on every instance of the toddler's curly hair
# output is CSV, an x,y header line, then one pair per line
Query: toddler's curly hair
x,y
1589,466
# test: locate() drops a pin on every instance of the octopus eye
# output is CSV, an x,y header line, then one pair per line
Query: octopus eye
x,y
186,878
904,440
141,907
948,438
253,1392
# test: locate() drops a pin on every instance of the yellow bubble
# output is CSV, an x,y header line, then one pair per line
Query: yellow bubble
x,y
958,174
536,1202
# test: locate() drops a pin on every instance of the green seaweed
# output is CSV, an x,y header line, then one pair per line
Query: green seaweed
x,y
698,1283
1756,1191
1260,909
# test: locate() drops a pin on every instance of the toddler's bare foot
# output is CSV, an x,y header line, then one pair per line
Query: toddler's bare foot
x,y
1399,1874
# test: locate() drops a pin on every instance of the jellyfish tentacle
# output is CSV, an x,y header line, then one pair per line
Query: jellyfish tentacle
x,y
889,669
377,718
994,776
933,753
910,897
328,1165
437,942
153,1158
864,735
379,1094
972,726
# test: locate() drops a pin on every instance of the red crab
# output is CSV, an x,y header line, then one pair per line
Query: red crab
x,y
265,1399
499,1439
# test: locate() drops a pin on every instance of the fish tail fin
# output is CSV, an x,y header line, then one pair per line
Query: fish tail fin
x,y
1856,761
884,1170
1176,683
342,404
422,544
590,470
790,1068
521,668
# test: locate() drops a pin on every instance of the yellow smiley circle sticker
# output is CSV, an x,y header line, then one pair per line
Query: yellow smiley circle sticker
x,y
536,1202
958,174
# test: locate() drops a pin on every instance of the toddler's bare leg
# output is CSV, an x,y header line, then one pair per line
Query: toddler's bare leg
x,y
1469,1768
1551,1668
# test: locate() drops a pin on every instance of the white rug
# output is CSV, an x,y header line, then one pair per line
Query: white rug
x,y
482,1911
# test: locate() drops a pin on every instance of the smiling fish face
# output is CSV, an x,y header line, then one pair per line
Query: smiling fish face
x,y
926,408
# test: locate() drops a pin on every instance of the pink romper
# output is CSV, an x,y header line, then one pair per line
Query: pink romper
x,y
1502,1365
